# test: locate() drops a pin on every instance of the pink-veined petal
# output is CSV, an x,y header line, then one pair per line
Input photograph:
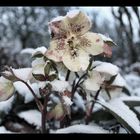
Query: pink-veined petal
x,y
79,22
56,50
91,43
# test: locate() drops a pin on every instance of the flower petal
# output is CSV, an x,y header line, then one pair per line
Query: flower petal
x,y
94,82
59,27
56,50
6,89
91,43
76,63
79,22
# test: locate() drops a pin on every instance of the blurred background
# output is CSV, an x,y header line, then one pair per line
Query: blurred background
x,y
27,27
23,27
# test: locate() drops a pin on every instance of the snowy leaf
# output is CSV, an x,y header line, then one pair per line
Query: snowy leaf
x,y
39,77
123,114
37,55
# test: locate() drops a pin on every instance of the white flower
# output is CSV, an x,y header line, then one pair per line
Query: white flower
x,y
101,73
72,43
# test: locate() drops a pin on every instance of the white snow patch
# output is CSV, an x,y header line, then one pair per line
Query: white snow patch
x,y
3,130
79,101
108,68
67,100
119,81
81,128
59,85
72,13
25,92
6,105
59,18
23,73
28,51
32,117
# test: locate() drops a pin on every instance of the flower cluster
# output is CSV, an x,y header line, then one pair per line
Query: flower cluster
x,y
72,50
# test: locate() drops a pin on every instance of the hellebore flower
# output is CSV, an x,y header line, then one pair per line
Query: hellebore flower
x,y
71,42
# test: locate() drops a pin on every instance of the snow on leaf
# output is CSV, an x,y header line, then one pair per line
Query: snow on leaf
x,y
123,114
32,117
108,68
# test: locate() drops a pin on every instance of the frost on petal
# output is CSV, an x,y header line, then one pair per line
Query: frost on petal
x,y
92,43
56,50
6,89
79,22
23,73
94,81
78,62
107,40
58,27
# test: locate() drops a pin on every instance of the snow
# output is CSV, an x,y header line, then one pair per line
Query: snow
x,y
5,106
119,81
3,130
59,18
60,86
25,92
124,112
23,73
72,13
27,51
79,101
81,128
105,38
67,100
32,117
108,68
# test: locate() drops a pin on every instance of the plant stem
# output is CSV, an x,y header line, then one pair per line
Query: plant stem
x,y
39,104
44,113
67,76
88,117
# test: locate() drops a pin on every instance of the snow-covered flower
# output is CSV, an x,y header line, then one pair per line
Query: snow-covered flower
x,y
6,89
101,73
71,42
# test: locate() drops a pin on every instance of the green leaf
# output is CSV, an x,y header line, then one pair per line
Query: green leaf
x,y
52,77
47,69
37,55
39,77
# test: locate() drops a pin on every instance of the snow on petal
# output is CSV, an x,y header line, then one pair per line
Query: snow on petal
x,y
92,43
79,22
23,73
59,85
76,63
56,50
107,68
58,27
94,82
6,89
